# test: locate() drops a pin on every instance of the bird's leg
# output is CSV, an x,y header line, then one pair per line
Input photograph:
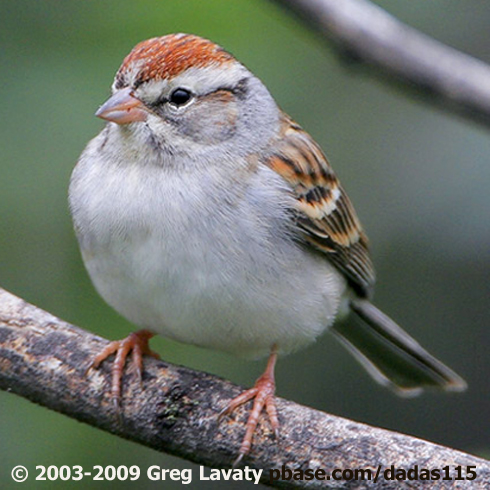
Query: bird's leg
x,y
137,342
263,395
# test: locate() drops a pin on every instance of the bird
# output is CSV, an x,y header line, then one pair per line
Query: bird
x,y
207,215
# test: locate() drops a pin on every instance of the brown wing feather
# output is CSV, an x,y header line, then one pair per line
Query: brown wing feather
x,y
324,211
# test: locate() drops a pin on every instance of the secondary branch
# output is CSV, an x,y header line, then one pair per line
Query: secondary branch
x,y
394,51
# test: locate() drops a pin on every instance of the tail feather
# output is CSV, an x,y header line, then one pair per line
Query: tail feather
x,y
390,355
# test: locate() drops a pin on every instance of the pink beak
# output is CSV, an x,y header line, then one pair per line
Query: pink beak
x,y
122,108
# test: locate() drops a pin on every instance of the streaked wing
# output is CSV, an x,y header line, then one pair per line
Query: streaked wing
x,y
324,211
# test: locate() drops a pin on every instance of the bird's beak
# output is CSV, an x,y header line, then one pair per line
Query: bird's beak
x,y
122,108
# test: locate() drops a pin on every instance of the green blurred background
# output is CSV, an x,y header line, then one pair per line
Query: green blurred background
x,y
419,178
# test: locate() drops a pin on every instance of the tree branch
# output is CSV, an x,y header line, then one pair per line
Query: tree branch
x,y
390,49
45,359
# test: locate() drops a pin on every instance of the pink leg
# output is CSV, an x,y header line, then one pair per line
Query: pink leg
x,y
263,395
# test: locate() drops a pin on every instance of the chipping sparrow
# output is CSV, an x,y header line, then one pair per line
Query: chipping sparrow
x,y
205,214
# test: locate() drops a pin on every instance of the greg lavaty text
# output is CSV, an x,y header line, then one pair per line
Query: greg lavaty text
x,y
156,473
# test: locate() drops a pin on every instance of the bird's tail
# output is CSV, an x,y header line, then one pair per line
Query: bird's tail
x,y
390,355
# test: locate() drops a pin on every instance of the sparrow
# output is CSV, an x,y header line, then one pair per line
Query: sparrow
x,y
205,214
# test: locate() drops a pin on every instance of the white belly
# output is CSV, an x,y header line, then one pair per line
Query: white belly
x,y
203,265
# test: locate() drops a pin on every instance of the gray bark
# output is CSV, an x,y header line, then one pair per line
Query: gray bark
x,y
45,360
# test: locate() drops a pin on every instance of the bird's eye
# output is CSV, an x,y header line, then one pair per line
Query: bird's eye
x,y
180,96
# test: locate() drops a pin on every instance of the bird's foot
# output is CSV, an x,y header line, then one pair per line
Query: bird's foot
x,y
137,344
263,395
